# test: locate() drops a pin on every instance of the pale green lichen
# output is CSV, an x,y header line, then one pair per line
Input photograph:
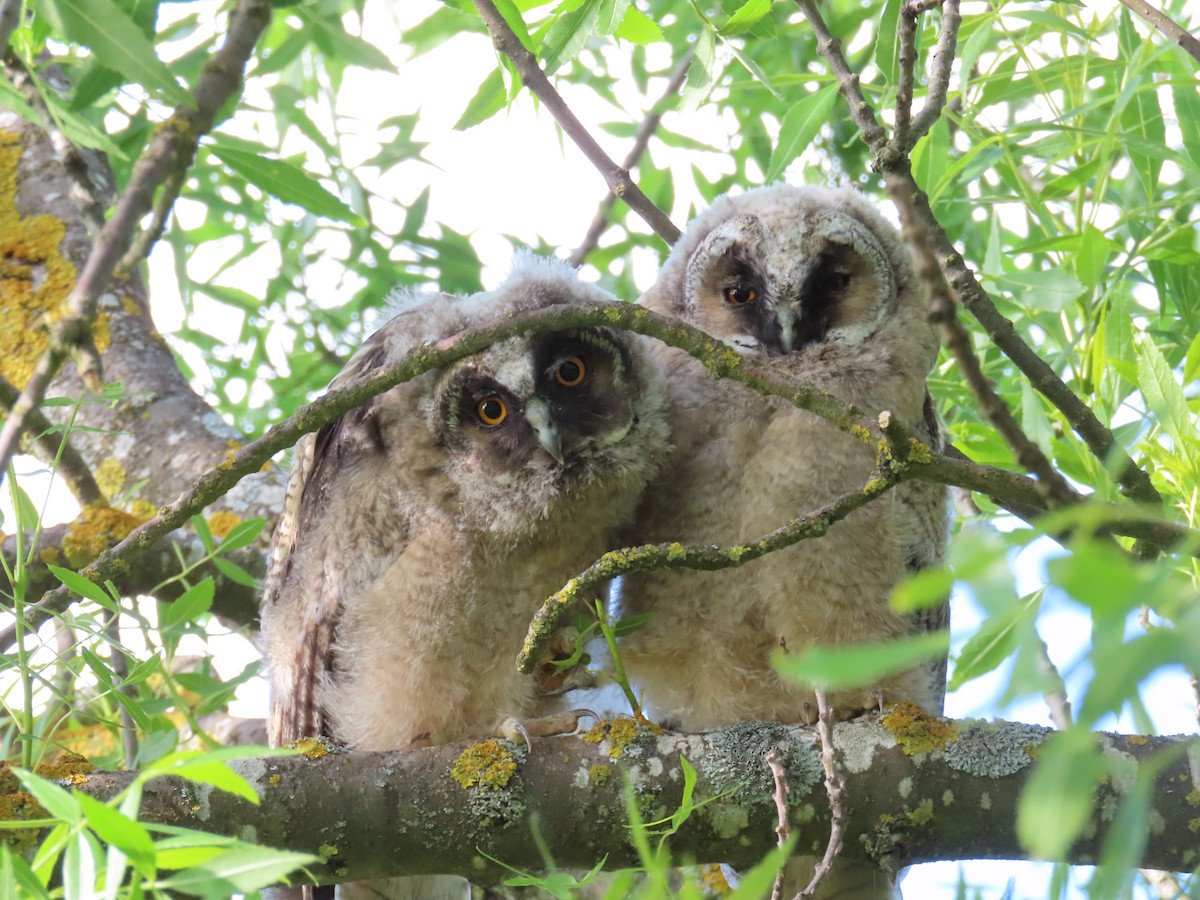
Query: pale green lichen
x,y
994,750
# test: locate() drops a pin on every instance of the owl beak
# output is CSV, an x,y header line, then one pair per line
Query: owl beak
x,y
787,329
538,417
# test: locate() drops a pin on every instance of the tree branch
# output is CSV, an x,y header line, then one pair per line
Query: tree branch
x,y
50,446
403,812
1156,17
1134,482
939,74
641,140
943,312
176,140
535,79
722,361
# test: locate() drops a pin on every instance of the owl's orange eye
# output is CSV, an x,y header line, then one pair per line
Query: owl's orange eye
x,y
740,294
491,410
571,372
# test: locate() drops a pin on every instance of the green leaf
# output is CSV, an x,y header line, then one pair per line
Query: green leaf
x,y
886,42
997,639
242,534
638,28
1163,394
196,601
568,34
239,870
1057,801
349,49
861,664
57,801
1187,110
757,883
115,40
234,572
114,828
17,879
84,588
488,100
745,16
285,182
800,125
611,14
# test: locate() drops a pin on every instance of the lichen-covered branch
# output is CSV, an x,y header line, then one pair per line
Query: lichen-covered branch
x,y
175,140
535,79
917,789
641,140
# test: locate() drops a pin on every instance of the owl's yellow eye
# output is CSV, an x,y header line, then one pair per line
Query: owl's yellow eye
x,y
571,372
740,294
491,410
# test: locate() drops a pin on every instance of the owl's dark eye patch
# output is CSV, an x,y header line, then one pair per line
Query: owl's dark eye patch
x,y
831,282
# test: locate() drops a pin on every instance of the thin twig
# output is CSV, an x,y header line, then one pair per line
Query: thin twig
x,y
835,787
1133,481
1056,697
535,79
775,761
69,464
1156,17
906,56
175,140
145,240
943,312
940,64
640,141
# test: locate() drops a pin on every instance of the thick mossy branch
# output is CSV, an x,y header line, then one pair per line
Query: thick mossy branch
x,y
916,789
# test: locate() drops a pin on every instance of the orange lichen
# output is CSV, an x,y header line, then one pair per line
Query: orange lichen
x,y
313,748
599,773
274,780
66,766
712,879
1138,740
916,731
488,764
619,732
96,529
221,523
50,556
35,277
110,477
143,509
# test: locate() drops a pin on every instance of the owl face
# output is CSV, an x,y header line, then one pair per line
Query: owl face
x,y
495,441
548,405
781,269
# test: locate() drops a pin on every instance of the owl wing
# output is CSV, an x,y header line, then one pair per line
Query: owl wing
x,y
927,520
307,574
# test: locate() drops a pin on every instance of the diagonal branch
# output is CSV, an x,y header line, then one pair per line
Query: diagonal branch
x,y
535,79
1133,481
50,446
1156,17
943,312
939,74
176,140
640,141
